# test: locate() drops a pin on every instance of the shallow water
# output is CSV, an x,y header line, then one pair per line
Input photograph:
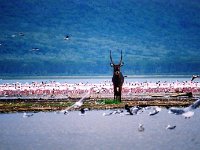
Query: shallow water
x,y
95,131
97,79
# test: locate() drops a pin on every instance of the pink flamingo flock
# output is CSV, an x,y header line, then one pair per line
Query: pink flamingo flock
x,y
104,89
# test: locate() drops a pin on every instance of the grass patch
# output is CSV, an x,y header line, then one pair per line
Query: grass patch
x,y
108,101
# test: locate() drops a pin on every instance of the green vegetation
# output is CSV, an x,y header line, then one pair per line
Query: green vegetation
x,y
108,101
14,106
36,104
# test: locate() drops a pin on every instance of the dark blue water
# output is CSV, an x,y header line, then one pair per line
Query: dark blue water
x,y
95,131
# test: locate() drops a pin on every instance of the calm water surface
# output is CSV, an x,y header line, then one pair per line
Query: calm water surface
x,y
96,79
95,131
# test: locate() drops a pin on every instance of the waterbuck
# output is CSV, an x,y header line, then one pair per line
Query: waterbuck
x,y
118,78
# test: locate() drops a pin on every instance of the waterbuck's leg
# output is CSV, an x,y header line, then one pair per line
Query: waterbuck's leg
x,y
114,92
117,93
120,93
119,96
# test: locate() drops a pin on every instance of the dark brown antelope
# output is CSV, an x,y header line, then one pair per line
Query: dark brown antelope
x,y
118,78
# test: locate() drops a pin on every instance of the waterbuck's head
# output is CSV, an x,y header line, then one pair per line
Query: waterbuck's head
x,y
116,67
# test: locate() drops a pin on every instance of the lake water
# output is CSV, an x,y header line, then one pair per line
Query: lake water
x,y
97,132
96,79
94,131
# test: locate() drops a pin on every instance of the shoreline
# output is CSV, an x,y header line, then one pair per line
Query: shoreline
x,y
93,76
55,96
47,105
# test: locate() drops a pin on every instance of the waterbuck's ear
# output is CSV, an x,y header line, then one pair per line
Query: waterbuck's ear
x,y
111,64
122,63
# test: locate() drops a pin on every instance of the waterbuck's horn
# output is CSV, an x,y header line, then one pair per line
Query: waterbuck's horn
x,y
121,63
111,63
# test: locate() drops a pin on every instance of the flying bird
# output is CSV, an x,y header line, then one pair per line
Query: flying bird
x,y
194,77
13,35
66,37
78,104
35,49
21,34
187,112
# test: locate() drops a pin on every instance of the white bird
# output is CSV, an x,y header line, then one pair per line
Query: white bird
x,y
78,104
194,77
141,127
108,114
194,105
118,111
176,111
21,34
156,111
135,110
66,37
113,112
25,115
170,127
13,35
35,49
186,112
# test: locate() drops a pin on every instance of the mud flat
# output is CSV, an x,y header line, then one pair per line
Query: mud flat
x,y
33,104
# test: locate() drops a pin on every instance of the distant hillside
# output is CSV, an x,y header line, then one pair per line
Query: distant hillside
x,y
156,36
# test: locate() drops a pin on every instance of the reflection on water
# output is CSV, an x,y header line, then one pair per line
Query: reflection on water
x,y
95,131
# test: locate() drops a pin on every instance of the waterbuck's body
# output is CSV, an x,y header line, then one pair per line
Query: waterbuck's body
x,y
118,78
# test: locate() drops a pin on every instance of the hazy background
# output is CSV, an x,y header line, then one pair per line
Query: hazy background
x,y
156,36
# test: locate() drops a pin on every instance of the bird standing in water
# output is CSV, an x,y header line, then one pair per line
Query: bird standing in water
x,y
141,127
